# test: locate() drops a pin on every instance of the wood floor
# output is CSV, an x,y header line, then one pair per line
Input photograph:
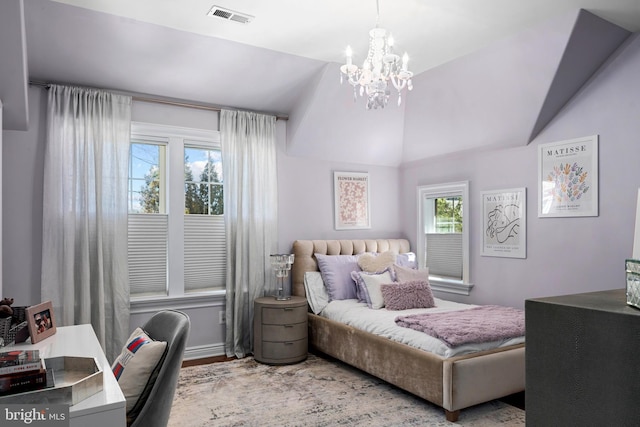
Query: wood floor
x,y
206,361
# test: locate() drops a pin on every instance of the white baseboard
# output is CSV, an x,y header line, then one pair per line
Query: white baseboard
x,y
204,351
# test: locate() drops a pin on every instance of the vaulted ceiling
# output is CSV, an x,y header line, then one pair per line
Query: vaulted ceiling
x,y
486,76
433,32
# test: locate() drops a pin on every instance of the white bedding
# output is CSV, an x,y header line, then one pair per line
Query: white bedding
x,y
382,322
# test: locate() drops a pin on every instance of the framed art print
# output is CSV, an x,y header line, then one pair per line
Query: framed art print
x,y
351,204
504,223
41,321
568,178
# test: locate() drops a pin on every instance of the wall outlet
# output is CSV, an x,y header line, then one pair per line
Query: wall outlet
x,y
222,317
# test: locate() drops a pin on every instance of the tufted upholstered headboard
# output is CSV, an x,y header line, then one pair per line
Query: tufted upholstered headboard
x,y
305,249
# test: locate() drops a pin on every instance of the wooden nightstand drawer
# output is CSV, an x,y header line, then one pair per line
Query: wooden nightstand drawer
x,y
294,332
284,315
284,350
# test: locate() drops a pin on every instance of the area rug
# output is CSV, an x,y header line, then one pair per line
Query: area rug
x,y
316,392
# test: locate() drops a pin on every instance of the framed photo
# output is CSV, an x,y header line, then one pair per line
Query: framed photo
x,y
504,223
41,321
568,178
351,193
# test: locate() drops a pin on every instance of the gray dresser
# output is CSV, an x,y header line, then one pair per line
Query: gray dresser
x,y
582,360
280,330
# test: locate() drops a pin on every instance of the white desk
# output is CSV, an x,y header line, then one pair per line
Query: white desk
x,y
106,408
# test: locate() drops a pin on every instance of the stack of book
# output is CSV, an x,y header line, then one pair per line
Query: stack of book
x,y
21,370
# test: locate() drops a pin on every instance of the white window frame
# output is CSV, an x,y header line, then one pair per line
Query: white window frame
x,y
461,188
177,138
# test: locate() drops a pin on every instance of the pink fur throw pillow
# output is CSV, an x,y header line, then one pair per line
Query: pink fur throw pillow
x,y
376,263
403,296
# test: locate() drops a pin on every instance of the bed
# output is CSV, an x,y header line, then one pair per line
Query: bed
x,y
454,383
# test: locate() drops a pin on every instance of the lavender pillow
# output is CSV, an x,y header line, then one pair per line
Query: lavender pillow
x,y
368,287
407,259
361,289
403,296
336,274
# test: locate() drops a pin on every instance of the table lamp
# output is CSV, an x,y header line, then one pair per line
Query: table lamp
x,y
281,264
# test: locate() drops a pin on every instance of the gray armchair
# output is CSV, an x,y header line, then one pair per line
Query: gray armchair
x,y
154,406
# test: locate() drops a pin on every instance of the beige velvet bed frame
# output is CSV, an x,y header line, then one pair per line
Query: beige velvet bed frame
x,y
452,383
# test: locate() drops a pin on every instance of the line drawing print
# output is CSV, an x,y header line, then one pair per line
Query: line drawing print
x,y
503,223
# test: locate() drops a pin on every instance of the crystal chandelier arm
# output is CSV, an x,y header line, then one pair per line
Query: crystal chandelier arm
x,y
398,83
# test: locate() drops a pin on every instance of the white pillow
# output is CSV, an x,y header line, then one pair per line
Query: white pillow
x,y
133,368
373,283
317,294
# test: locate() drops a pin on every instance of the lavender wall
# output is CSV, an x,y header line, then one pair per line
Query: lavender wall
x,y
564,255
23,170
305,199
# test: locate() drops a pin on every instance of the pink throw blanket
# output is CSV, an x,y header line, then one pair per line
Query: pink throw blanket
x,y
475,325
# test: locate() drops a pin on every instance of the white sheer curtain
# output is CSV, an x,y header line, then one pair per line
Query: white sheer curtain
x,y
251,218
84,253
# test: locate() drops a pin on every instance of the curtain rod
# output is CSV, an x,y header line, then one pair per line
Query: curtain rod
x,y
155,100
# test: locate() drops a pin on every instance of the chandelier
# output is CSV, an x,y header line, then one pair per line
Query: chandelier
x,y
380,70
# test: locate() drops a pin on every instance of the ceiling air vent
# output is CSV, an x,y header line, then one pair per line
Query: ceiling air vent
x,y
230,15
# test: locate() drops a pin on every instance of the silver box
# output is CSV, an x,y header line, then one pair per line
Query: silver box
x,y
75,379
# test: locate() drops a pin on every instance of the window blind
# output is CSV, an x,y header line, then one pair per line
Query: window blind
x,y
205,256
444,254
147,242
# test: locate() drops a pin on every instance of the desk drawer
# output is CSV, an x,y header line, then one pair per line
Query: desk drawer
x,y
284,350
294,332
284,316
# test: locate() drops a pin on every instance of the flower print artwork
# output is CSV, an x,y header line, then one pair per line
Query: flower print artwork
x,y
568,182
351,200
568,178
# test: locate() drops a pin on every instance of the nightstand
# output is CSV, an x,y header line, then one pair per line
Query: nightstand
x,y
280,330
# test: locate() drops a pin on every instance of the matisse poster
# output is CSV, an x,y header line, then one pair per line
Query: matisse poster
x,y
504,223
568,178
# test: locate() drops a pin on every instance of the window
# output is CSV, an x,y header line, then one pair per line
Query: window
x,y
176,193
443,236
203,181
204,242
146,183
